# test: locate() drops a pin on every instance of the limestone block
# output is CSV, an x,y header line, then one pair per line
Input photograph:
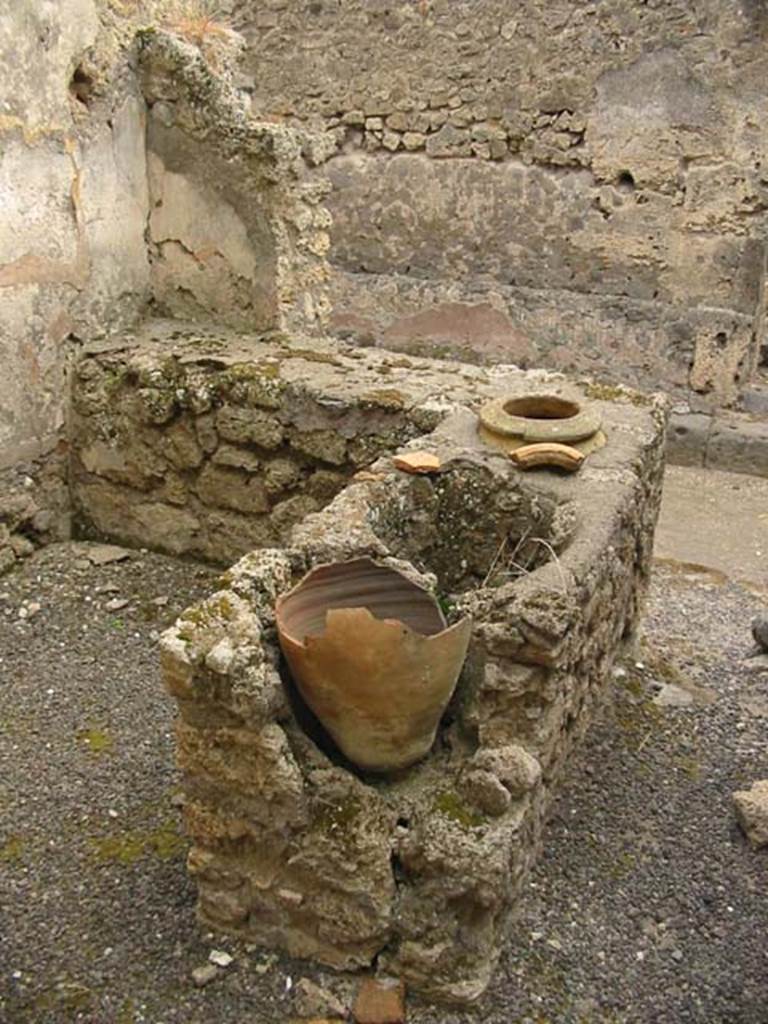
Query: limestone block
x,y
222,487
180,445
687,438
238,458
325,484
225,535
324,445
724,355
255,764
291,511
171,529
280,475
448,141
132,463
752,812
249,425
739,444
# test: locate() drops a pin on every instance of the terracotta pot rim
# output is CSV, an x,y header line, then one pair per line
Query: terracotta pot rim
x,y
363,559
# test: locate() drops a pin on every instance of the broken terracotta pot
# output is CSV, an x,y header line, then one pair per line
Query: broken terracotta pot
x,y
373,657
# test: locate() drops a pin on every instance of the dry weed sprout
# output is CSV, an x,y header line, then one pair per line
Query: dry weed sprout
x,y
196,21
521,561
201,23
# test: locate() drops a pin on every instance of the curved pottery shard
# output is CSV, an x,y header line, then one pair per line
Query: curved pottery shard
x,y
373,658
541,454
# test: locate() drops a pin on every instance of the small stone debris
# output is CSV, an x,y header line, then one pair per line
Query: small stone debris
x,y
417,462
117,603
671,696
220,957
752,812
380,1001
104,554
107,588
205,975
266,964
311,1000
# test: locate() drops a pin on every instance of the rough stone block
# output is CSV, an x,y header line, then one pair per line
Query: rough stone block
x,y
739,444
752,812
687,438
230,488
249,425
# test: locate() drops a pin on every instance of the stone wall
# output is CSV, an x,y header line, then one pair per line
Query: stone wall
x,y
569,184
73,261
131,179
202,441
415,873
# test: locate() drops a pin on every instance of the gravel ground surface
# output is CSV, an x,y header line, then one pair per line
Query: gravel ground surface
x,y
648,905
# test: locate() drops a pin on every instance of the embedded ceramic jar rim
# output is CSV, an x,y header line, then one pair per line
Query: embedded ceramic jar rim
x,y
372,656
540,417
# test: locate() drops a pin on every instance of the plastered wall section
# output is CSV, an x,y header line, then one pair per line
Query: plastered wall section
x,y
73,262
566,183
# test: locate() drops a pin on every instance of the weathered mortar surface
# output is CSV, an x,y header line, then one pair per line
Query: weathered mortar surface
x,y
235,230
293,849
209,442
572,184
72,256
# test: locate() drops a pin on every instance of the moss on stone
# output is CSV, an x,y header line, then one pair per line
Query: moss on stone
x,y
613,393
256,384
12,850
98,741
451,805
335,818
215,609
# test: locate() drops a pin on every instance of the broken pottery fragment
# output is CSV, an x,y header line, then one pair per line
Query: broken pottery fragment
x,y
380,1001
417,462
564,456
372,656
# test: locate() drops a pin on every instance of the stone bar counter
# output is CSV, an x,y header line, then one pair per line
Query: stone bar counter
x,y
218,445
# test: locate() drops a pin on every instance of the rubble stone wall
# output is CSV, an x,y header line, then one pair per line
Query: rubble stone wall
x,y
567,184
202,441
292,846
235,231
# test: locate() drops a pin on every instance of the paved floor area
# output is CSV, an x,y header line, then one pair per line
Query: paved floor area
x,y
717,520
648,906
